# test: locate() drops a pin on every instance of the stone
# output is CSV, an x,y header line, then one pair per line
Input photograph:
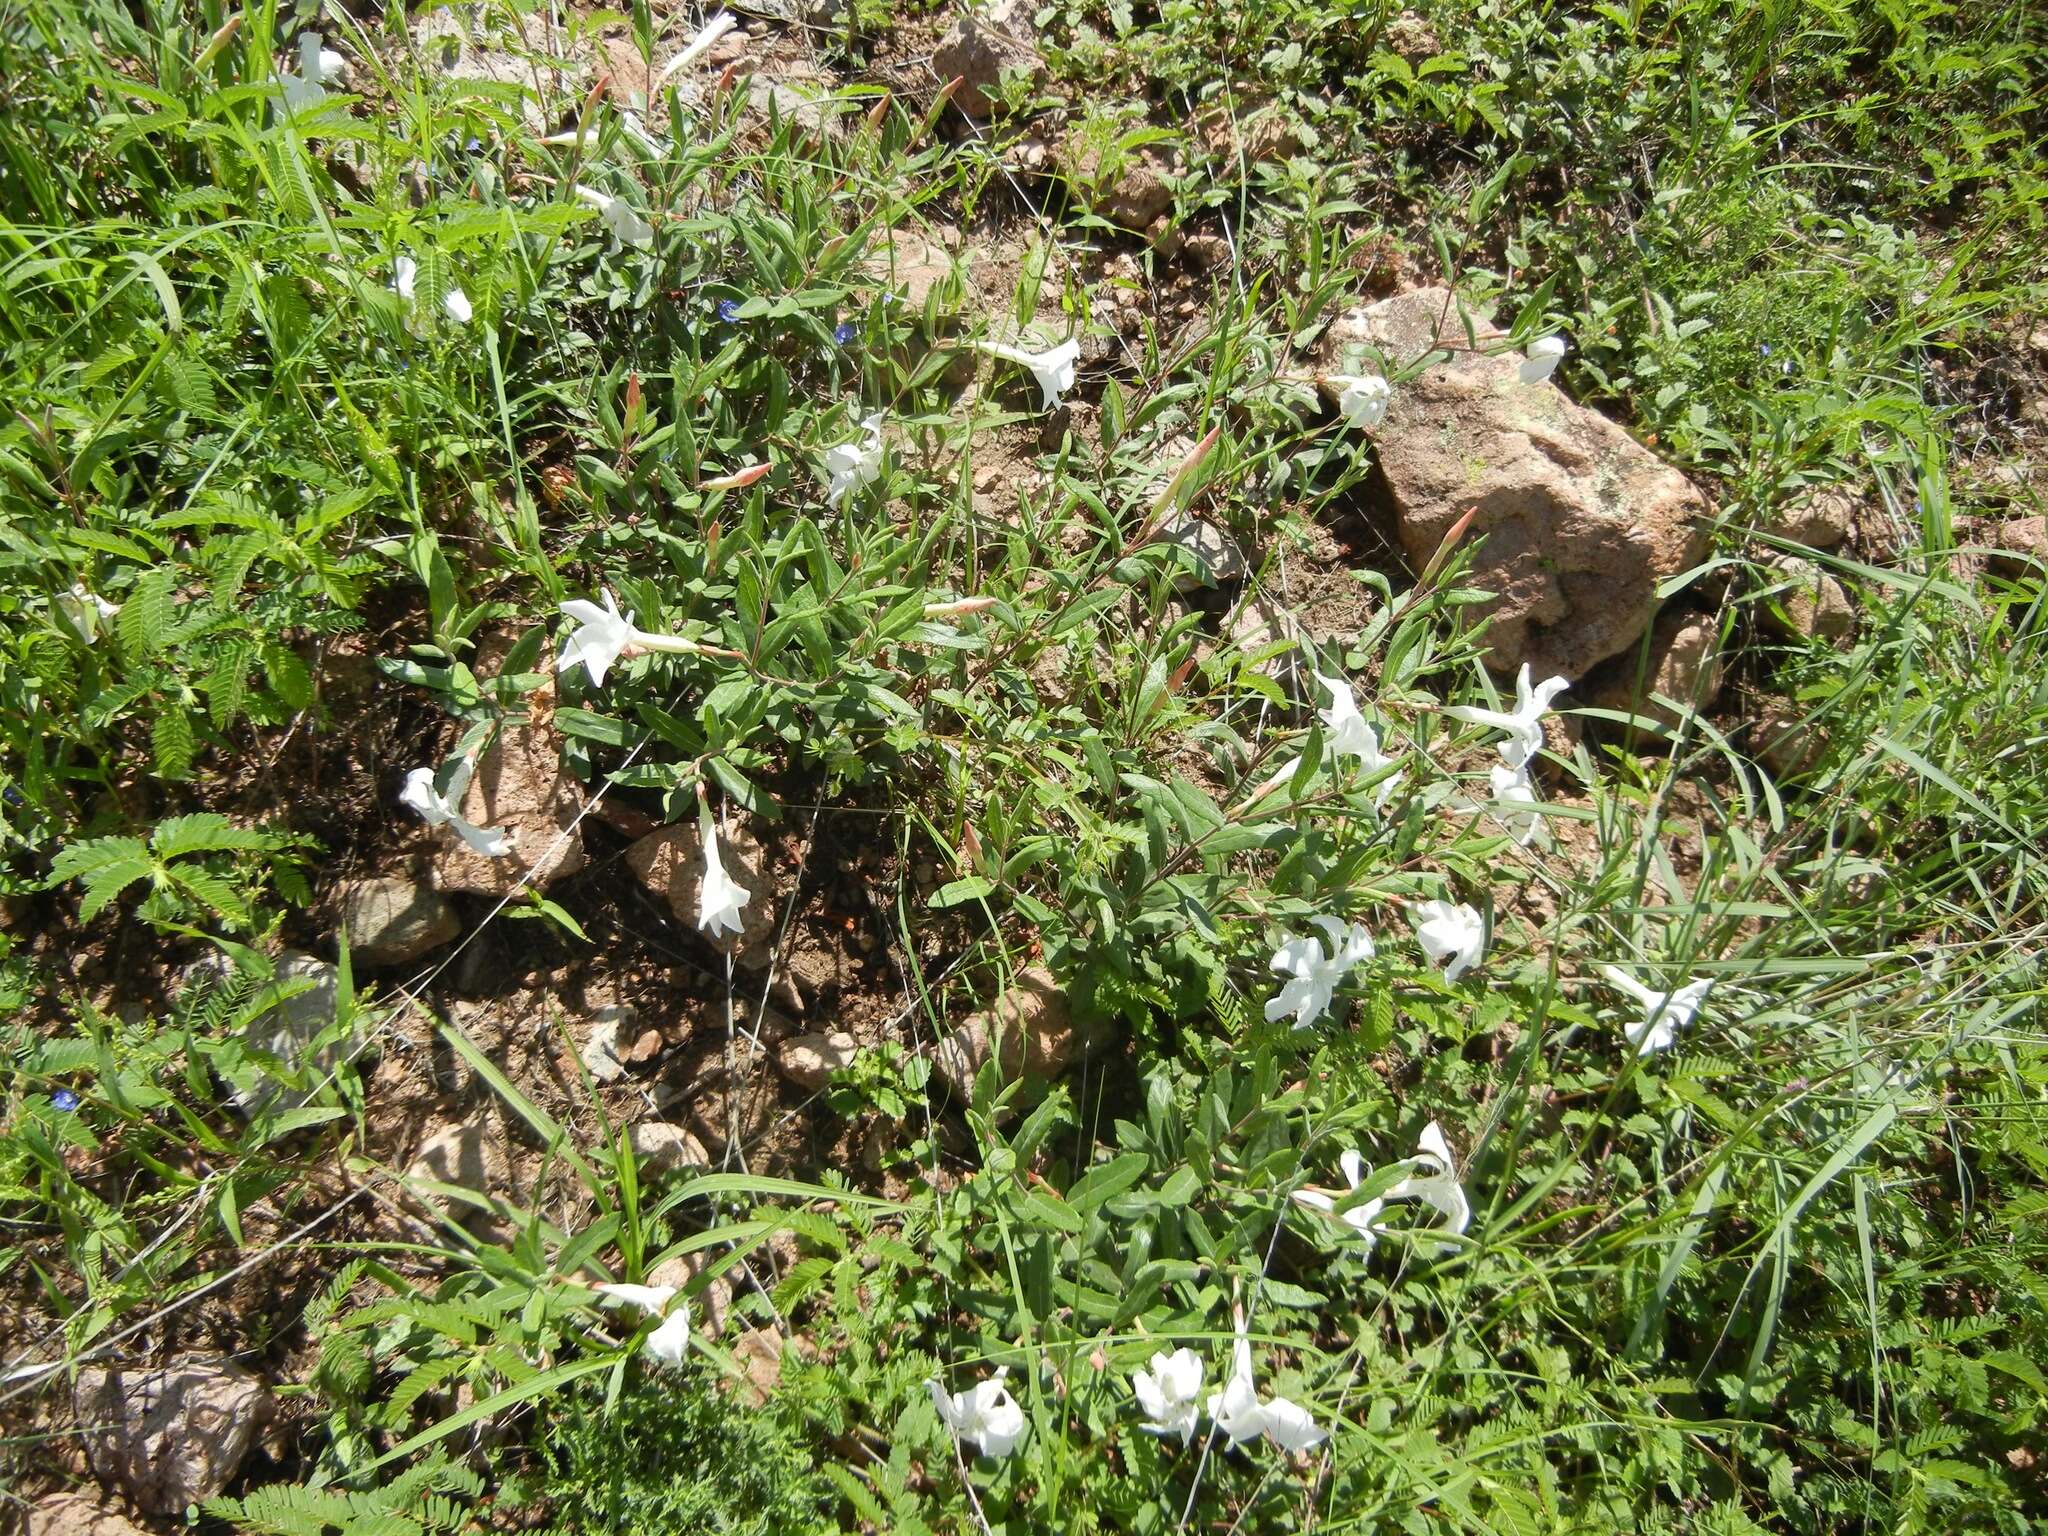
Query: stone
x,y
670,864
170,1437
1784,741
980,50
707,1305
664,1147
810,1060
1809,604
1258,626
759,1354
1037,1034
2026,537
600,1051
1217,559
509,49
1684,665
75,1514
518,786
1130,188
1411,38
1823,519
393,921
807,103
1580,521
909,264
471,1158
288,1031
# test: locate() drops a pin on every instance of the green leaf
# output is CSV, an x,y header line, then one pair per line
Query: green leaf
x,y
204,832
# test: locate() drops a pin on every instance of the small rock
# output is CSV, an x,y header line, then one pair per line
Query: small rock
x,y
600,1053
909,264
670,864
1784,741
393,921
644,1048
1412,39
1218,560
518,786
1130,188
473,1158
288,1030
981,50
807,103
759,1353
1207,251
2026,537
74,1514
509,50
663,1147
708,1305
1258,626
1810,604
1037,1034
810,1060
1684,665
171,1437
1823,519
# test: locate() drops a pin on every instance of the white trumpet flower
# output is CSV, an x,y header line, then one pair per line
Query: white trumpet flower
x,y
1664,1013
1524,723
853,465
1349,734
1514,802
439,810
1447,933
86,612
1171,1393
405,281
1540,359
984,1414
603,635
695,49
671,1341
1435,1183
719,899
318,67
1242,1415
1314,973
1362,399
624,223
1361,1217
1053,369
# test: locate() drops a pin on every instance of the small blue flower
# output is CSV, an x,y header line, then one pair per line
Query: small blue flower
x,y
728,309
473,146
11,795
1765,349
844,333
64,1101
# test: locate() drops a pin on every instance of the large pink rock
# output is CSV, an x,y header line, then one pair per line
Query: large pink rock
x,y
1581,521
519,785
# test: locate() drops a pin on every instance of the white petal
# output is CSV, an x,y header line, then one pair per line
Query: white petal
x,y
651,1299
1291,1426
457,305
420,797
671,1341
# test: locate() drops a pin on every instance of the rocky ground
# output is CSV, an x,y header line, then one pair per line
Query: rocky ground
x,y
721,1057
